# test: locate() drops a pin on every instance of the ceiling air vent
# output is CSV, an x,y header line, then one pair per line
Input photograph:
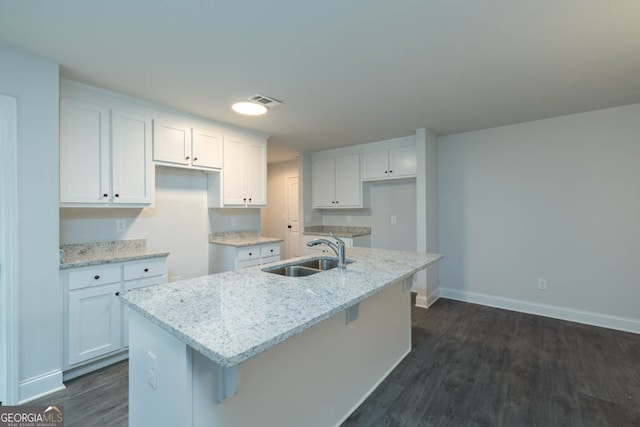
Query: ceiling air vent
x,y
265,100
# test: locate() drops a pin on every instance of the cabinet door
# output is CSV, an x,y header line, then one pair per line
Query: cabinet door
x,y
348,184
254,156
171,143
206,148
84,153
402,161
323,183
94,322
232,174
375,165
132,169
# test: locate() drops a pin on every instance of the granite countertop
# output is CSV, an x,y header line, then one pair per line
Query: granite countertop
x,y
96,253
339,230
230,317
241,238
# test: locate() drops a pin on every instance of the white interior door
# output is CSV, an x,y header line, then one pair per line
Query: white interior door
x,y
293,218
8,251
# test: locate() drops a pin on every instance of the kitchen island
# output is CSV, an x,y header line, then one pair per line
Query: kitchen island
x,y
248,347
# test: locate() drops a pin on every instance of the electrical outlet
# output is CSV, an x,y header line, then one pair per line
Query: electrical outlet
x,y
394,219
542,284
152,370
349,219
121,225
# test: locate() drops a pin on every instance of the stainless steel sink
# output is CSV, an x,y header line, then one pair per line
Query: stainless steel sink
x,y
305,268
292,271
322,263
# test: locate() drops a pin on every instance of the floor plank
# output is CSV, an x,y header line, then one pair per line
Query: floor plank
x,y
470,365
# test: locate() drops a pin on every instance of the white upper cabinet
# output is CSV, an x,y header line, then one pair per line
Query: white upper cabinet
x,y
206,147
105,157
171,143
178,145
84,153
243,180
336,181
390,160
132,170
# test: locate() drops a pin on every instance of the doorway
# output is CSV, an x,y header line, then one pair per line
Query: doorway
x,y
8,251
293,218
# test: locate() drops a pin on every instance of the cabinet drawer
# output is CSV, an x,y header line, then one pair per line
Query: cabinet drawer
x,y
145,268
270,250
94,276
248,253
143,282
249,263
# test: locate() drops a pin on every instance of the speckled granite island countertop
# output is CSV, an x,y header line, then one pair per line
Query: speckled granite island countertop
x,y
241,238
96,253
339,230
233,316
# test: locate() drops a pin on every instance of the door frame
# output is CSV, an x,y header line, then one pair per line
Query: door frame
x,y
9,250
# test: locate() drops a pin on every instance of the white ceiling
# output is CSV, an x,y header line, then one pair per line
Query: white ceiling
x,y
348,71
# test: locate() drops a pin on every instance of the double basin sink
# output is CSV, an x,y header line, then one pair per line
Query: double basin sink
x,y
305,267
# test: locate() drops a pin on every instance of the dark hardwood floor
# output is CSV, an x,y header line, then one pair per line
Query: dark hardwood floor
x,y
470,366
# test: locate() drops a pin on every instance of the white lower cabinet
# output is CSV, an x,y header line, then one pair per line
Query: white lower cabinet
x,y
95,321
349,242
226,258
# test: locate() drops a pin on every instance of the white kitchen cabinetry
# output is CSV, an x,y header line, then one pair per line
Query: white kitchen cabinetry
x,y
243,180
179,145
95,321
389,161
226,258
105,157
349,242
335,181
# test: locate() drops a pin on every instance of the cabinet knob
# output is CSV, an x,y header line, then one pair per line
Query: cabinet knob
x,y
146,270
250,254
386,171
337,202
186,158
117,293
271,250
390,171
245,199
105,195
195,159
249,199
96,277
117,195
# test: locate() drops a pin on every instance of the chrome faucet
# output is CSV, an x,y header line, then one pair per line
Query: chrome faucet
x,y
337,247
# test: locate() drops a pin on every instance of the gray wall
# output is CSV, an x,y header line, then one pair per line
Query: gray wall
x,y
556,199
35,84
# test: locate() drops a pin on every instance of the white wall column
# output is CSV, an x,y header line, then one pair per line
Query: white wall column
x,y
8,252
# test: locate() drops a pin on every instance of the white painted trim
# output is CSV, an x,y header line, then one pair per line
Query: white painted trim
x,y
580,316
40,385
9,250
421,301
373,388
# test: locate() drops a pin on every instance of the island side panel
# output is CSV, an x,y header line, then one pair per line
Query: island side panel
x,y
316,378
169,402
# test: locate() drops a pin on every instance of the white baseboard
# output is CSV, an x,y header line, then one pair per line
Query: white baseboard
x,y
580,316
40,385
426,302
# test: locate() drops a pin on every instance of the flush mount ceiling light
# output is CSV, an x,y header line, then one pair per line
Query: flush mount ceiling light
x,y
249,108
255,105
